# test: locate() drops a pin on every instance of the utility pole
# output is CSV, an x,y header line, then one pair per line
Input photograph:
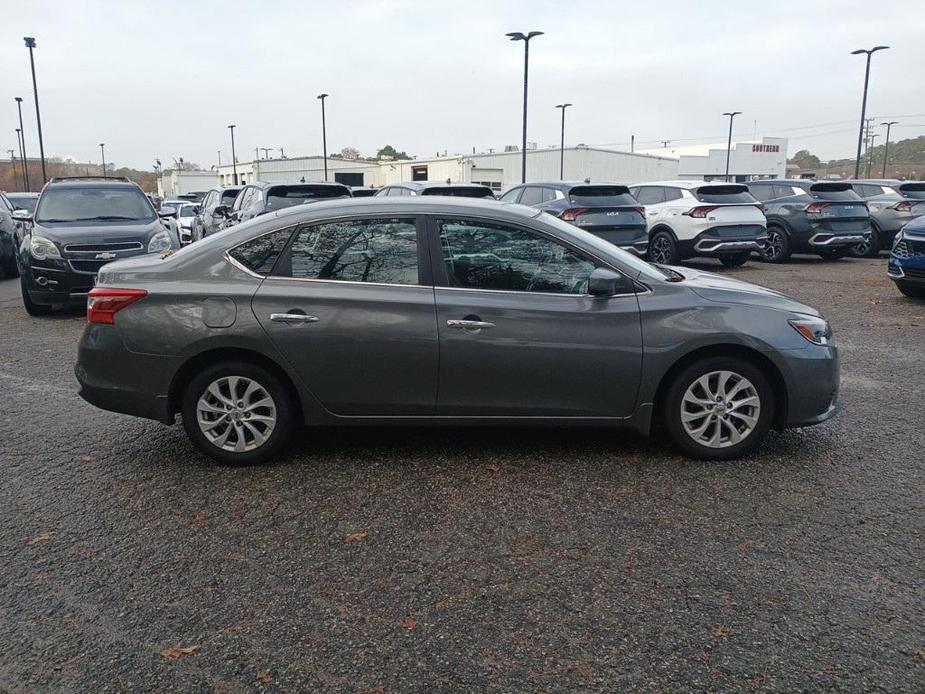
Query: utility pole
x,y
665,144
103,156
562,142
324,136
868,53
870,152
22,160
731,114
886,145
234,159
30,44
22,134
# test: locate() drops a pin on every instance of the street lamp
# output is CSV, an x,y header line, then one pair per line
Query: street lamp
x,y
30,44
562,143
22,150
731,114
324,136
857,160
22,160
234,159
517,36
103,156
886,144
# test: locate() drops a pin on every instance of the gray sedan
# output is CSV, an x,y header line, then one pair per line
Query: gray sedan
x,y
444,311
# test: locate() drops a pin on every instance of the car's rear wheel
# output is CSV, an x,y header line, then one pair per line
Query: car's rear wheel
x,y
32,308
237,413
718,408
869,248
777,248
663,249
913,291
734,259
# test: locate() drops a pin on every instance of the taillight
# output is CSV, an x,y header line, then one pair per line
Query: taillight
x,y
641,210
571,213
700,212
905,206
104,303
816,207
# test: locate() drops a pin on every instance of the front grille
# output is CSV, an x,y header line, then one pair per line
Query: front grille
x,y
909,249
103,247
914,273
89,266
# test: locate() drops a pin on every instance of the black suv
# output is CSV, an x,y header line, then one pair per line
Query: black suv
x,y
607,210
462,190
259,198
206,220
805,216
80,224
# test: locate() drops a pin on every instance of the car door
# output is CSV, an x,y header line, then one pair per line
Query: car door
x,y
350,305
652,197
519,334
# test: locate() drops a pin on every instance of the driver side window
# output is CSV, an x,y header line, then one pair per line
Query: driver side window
x,y
483,255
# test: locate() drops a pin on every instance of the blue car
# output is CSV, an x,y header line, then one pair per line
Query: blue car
x,y
907,259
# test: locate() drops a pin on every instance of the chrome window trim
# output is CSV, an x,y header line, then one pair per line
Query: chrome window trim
x,y
350,282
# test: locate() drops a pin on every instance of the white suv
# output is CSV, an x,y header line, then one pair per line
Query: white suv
x,y
688,218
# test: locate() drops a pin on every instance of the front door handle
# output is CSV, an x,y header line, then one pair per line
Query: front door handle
x,y
293,318
469,324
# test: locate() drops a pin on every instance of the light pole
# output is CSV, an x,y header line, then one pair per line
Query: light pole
x,y
324,136
562,143
30,44
886,144
103,156
234,159
22,133
22,160
517,36
731,114
857,160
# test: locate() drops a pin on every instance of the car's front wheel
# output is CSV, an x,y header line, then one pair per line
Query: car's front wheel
x,y
913,291
777,248
237,413
663,249
718,408
734,259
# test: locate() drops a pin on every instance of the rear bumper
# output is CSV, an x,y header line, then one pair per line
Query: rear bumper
x,y
730,239
827,239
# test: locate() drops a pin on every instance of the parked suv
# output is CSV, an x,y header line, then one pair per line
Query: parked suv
x,y
206,221
892,204
23,201
259,198
80,224
906,266
806,216
691,218
8,226
463,190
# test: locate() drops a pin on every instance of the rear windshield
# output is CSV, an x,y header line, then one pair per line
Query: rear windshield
x,y
833,191
109,204
279,197
460,191
601,195
188,211
228,196
724,195
915,191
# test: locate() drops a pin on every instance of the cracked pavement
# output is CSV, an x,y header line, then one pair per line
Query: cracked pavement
x,y
470,559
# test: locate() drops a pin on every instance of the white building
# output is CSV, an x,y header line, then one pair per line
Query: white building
x,y
172,183
764,158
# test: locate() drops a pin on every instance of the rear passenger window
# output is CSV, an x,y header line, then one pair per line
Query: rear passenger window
x,y
384,251
533,195
672,194
650,195
785,191
260,255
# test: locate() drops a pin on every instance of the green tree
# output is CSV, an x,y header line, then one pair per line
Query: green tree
x,y
390,151
805,160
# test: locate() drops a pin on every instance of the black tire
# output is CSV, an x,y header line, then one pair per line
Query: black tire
x,y
672,409
12,270
268,384
834,253
32,308
777,249
734,259
869,248
663,249
913,291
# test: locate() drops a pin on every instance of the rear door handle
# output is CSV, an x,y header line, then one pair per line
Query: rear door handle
x,y
293,318
469,324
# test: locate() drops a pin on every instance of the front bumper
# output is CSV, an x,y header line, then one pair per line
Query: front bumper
x,y
908,270
55,283
813,385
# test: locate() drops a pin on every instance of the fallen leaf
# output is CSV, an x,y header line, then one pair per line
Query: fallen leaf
x,y
409,623
720,631
264,676
87,459
199,519
583,669
356,537
494,469
41,537
175,652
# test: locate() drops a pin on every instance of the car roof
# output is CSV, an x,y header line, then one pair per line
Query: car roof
x,y
420,185
565,185
271,184
91,182
687,185
789,181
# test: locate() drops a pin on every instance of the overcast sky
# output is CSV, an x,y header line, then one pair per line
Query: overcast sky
x,y
164,79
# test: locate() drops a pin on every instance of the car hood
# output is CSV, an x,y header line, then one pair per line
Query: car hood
x,y
63,234
727,290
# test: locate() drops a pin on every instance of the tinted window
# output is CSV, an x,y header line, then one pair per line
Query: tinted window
x,y
724,195
259,255
533,195
833,191
188,211
242,198
361,250
650,195
460,191
26,202
672,193
228,196
782,191
762,192
481,255
598,196
67,204
511,195
913,190
279,197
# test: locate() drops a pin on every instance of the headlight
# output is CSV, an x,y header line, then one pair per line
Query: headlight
x,y
899,237
159,242
815,330
43,249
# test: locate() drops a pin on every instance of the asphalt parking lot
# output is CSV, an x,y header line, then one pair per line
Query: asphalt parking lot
x,y
470,560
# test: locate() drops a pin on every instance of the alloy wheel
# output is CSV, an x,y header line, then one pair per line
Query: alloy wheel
x,y
660,250
774,246
236,414
720,409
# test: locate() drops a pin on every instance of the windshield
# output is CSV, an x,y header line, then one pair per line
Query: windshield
x,y
67,204
188,211
279,197
25,202
601,196
606,249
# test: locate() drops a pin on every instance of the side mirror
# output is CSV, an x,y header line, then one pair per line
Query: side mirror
x,y
604,282
220,211
195,209
167,211
22,215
